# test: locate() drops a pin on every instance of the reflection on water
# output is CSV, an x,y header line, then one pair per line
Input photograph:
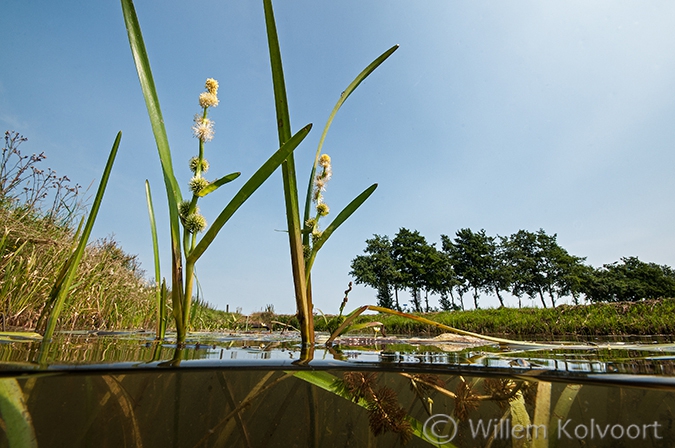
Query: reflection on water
x,y
255,392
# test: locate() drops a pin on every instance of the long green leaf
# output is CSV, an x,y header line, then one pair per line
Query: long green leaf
x,y
302,295
247,190
142,63
74,260
18,423
337,222
49,305
213,186
343,97
155,250
173,193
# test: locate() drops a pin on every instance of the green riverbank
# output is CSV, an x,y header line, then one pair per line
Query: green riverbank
x,y
653,317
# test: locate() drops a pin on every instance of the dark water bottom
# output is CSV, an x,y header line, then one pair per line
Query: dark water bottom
x,y
300,407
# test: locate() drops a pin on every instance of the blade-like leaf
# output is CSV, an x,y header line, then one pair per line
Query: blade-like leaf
x,y
173,193
62,291
339,219
302,295
18,424
213,186
343,97
247,190
561,409
155,250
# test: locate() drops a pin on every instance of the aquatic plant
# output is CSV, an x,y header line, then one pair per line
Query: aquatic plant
x,y
185,249
305,236
61,288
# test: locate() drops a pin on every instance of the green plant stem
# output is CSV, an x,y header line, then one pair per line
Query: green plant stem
x,y
155,250
303,303
189,282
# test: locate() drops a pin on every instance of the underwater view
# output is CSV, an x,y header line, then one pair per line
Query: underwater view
x,y
250,390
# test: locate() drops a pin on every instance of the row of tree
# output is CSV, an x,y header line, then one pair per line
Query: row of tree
x,y
524,264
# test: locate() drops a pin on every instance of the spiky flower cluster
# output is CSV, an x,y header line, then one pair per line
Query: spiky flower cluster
x,y
197,184
320,182
199,165
322,178
193,221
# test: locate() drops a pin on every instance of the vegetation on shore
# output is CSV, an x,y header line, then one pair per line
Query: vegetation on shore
x,y
649,317
39,212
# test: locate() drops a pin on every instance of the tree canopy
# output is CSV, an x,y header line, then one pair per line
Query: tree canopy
x,y
524,264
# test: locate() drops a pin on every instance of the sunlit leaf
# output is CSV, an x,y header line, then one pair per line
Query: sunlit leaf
x,y
213,186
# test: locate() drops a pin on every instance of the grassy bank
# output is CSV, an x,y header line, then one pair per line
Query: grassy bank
x,y
39,213
625,318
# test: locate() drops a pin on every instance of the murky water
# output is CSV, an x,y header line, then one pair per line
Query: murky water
x,y
258,391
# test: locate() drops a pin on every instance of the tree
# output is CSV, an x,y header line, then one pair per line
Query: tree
x,y
524,258
477,259
539,265
630,280
377,270
411,254
442,279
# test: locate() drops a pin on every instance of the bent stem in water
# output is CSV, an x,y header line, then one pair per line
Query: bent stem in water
x,y
348,325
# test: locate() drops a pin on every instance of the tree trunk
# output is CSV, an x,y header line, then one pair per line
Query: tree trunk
x,y
398,306
475,297
416,300
541,295
426,300
501,301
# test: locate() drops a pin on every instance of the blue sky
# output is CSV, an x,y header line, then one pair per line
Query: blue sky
x,y
494,115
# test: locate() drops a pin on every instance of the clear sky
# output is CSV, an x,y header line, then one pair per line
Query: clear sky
x,y
494,115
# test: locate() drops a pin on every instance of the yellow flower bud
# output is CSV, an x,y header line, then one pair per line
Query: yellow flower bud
x,y
212,86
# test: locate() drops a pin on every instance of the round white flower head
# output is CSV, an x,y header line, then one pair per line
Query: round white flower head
x,y
203,128
208,99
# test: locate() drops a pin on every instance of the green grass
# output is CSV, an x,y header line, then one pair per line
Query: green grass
x,y
625,318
